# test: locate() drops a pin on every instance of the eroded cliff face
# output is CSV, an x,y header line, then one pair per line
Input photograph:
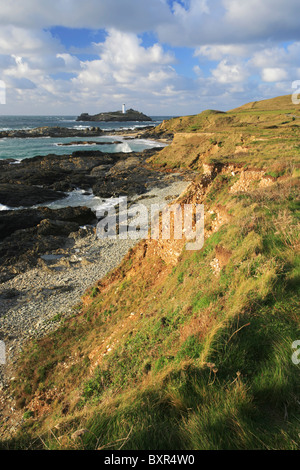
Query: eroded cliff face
x,y
154,260
174,339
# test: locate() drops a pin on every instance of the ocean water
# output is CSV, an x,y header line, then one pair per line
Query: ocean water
x,y
77,197
19,149
30,147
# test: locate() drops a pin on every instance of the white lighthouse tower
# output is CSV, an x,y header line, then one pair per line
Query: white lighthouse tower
x,y
124,109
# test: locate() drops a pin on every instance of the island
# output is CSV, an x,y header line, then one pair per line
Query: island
x,y
119,116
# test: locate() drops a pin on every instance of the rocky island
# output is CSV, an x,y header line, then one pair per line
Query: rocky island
x,y
119,116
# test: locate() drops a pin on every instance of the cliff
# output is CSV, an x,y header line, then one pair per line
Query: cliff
x,y
179,349
130,115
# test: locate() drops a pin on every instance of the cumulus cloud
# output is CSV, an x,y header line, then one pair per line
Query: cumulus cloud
x,y
219,51
231,22
229,73
256,19
274,74
277,56
126,15
21,83
125,62
128,68
241,49
190,23
27,42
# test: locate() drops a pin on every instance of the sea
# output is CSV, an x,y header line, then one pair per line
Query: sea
x,y
19,148
30,147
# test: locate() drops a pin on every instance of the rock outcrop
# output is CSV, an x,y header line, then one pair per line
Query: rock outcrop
x,y
53,132
44,178
24,195
25,235
130,115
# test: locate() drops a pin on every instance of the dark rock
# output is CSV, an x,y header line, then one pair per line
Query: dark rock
x,y
52,132
25,235
17,195
8,160
56,172
11,221
9,294
126,183
130,115
56,228
83,169
88,142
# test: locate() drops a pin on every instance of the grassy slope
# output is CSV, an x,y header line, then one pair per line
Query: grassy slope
x,y
173,356
262,135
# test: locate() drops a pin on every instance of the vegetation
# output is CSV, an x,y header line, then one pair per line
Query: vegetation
x,y
186,356
262,135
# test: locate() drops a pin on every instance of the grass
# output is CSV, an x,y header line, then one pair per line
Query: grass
x,y
176,357
255,135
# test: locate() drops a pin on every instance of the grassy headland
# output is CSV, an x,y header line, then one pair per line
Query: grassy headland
x,y
180,349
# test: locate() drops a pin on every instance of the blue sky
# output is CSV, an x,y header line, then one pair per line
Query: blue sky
x,y
162,57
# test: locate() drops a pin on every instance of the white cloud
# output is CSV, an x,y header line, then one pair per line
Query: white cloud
x,y
125,50
194,23
231,22
229,73
277,56
274,74
22,41
126,15
257,19
124,62
71,62
219,51
245,38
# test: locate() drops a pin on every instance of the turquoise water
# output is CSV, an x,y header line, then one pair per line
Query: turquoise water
x,y
31,147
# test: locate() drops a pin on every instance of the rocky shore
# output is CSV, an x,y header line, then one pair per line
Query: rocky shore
x,y
30,230
26,235
52,132
65,132
88,142
40,179
48,257
49,285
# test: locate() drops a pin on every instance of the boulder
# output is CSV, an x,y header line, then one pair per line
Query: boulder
x,y
22,195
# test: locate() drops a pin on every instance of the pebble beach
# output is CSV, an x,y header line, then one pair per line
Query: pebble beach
x,y
34,303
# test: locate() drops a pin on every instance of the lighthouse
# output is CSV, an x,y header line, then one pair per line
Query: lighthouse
x,y
124,109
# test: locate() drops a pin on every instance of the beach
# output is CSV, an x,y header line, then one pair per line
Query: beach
x,y
35,303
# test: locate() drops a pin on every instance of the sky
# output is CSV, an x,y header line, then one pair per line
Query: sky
x,y
160,57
